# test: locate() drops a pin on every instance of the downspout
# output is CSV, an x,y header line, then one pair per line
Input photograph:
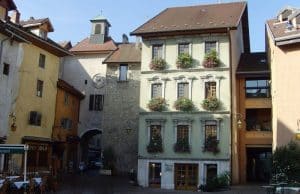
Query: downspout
x,y
231,99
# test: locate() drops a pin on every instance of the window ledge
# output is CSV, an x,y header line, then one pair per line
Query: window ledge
x,y
121,81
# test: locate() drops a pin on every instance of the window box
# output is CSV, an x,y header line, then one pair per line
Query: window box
x,y
158,64
184,60
211,145
157,104
184,104
211,104
155,145
182,145
211,59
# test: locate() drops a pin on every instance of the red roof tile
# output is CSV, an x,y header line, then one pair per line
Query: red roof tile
x,y
200,17
126,53
86,46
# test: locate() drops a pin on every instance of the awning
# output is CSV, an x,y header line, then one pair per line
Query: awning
x,y
12,149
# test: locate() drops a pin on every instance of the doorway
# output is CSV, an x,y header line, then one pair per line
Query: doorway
x,y
154,175
259,163
186,176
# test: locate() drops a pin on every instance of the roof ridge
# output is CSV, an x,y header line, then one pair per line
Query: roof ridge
x,y
209,4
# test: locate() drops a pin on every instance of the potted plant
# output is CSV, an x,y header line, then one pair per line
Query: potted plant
x,y
211,59
158,64
155,145
157,104
108,161
182,145
211,104
184,104
184,60
211,145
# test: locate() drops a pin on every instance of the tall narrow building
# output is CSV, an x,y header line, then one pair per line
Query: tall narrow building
x,y
187,95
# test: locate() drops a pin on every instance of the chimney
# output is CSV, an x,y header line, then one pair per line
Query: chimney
x,y
15,17
125,39
137,42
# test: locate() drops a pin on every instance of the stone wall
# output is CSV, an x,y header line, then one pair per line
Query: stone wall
x,y
121,113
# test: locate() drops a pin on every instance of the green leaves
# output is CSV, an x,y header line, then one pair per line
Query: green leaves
x,y
210,104
184,60
184,104
211,59
158,64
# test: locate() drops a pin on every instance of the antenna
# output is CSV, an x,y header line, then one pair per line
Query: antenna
x,y
101,12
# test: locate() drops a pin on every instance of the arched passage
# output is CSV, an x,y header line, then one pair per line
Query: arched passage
x,y
90,144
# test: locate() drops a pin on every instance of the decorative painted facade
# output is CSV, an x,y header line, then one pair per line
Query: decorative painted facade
x,y
188,140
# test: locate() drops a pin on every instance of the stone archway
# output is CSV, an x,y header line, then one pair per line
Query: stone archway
x,y
90,145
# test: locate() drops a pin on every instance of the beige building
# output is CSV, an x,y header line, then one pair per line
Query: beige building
x,y
283,43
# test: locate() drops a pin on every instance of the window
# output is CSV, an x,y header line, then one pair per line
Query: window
x,y
66,99
66,123
96,102
123,69
182,132
156,90
155,130
210,130
98,29
39,88
183,90
210,90
183,48
257,88
42,61
6,69
35,118
85,82
210,45
43,34
157,51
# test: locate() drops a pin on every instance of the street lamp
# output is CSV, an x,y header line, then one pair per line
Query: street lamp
x,y
239,118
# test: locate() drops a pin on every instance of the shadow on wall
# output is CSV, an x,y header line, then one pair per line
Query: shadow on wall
x,y
121,117
285,134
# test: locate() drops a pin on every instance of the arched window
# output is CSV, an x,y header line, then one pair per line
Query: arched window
x,y
98,29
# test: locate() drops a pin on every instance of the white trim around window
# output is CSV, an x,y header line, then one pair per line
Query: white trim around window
x,y
182,121
158,42
157,80
217,120
211,78
211,39
183,79
150,122
184,42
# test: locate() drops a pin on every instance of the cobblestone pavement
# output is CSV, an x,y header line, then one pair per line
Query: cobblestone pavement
x,y
93,183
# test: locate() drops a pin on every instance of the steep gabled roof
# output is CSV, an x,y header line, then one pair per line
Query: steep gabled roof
x,y
202,17
9,4
126,53
22,33
69,88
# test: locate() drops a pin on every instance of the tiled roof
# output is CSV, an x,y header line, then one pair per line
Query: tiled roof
x,y
125,53
280,30
24,34
86,46
32,22
200,17
253,64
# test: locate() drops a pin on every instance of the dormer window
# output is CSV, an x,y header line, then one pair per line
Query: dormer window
x,y
43,34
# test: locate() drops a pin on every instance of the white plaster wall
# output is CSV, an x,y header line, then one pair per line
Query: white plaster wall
x,y
12,54
77,69
167,177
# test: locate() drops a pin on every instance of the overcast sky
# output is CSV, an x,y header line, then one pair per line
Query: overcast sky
x,y
70,18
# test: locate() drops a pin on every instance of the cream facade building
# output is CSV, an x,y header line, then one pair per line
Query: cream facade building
x,y
187,165
283,37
